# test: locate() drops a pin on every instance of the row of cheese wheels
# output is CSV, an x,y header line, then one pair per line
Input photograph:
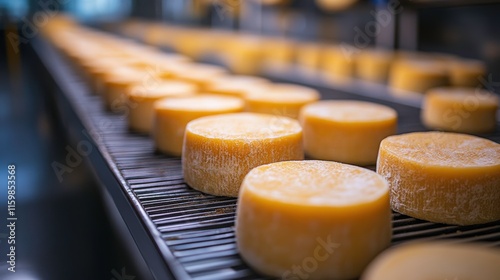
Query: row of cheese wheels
x,y
404,71
326,218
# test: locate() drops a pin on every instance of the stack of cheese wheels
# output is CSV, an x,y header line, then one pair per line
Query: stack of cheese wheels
x,y
143,97
280,99
442,177
412,75
173,114
312,219
199,74
374,65
219,150
436,260
346,131
236,86
338,63
467,73
468,110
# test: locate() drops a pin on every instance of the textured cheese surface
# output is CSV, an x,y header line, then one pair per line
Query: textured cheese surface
x,y
468,110
417,75
280,99
173,114
141,100
288,211
436,260
346,131
219,150
442,177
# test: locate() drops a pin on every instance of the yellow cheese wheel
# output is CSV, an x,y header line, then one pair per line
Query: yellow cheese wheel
x,y
467,73
173,114
280,99
346,131
411,75
442,177
436,260
308,55
338,63
200,74
142,97
115,87
219,150
236,86
468,110
312,219
374,65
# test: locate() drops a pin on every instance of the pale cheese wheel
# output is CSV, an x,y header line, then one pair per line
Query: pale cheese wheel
x,y
467,73
142,98
442,177
280,99
417,76
199,74
436,260
346,131
218,151
374,65
173,114
236,86
312,219
467,110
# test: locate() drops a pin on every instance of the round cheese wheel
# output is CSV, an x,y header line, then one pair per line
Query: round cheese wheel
x,y
280,99
142,98
467,73
338,64
468,110
417,76
200,74
436,260
308,55
173,114
236,86
115,87
442,177
374,65
219,150
312,219
346,131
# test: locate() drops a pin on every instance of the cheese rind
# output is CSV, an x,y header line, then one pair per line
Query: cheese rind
x,y
442,177
468,110
142,98
346,131
280,99
294,216
436,260
173,114
218,151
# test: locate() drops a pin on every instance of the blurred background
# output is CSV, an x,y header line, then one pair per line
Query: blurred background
x,y
65,228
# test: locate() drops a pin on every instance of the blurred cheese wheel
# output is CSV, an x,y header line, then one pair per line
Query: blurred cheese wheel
x,y
436,260
312,219
115,87
467,73
236,86
245,55
442,177
417,75
335,5
346,131
280,99
219,150
142,97
308,55
467,110
199,74
374,65
338,63
173,114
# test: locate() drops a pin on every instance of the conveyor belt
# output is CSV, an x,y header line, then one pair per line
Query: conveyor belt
x,y
194,232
